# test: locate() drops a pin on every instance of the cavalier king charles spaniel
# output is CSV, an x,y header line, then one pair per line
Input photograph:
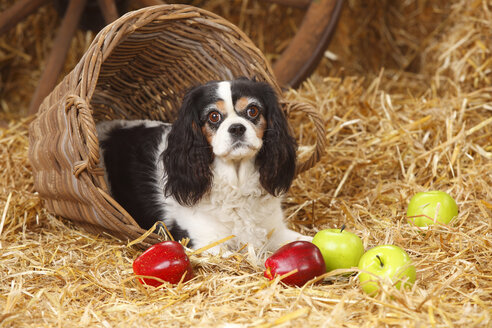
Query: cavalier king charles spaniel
x,y
220,169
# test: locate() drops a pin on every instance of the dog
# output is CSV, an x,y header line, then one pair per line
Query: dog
x,y
220,169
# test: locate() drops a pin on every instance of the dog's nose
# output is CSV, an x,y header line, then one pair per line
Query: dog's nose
x,y
237,130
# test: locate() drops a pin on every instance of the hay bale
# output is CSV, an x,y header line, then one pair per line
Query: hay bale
x,y
392,132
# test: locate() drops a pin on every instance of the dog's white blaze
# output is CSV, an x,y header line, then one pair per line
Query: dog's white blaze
x,y
224,93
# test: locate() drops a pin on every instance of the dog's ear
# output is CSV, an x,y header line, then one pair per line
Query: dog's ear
x,y
188,155
276,159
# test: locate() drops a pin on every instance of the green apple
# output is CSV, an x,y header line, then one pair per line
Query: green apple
x,y
340,249
425,208
382,263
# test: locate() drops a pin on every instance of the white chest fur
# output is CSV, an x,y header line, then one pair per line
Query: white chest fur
x,y
236,205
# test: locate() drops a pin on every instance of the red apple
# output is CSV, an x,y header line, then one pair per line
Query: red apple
x,y
166,260
301,255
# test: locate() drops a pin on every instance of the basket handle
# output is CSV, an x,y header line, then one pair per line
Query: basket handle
x,y
319,125
85,137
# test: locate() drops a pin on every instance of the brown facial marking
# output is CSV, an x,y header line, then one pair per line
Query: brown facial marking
x,y
241,104
208,133
221,107
260,127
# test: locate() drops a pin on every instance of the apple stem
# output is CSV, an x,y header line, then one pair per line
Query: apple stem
x,y
343,228
380,262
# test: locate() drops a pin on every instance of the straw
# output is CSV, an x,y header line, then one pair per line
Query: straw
x,y
433,98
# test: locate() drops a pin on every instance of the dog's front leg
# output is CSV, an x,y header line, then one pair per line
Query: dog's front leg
x,y
284,236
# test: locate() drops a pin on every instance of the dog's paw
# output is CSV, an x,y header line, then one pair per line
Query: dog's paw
x,y
304,238
284,237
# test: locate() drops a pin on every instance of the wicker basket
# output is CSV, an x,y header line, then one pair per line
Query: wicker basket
x,y
137,67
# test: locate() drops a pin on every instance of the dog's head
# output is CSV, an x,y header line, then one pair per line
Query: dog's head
x,y
235,121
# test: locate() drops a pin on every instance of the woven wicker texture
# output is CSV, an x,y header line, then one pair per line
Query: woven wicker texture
x,y
138,67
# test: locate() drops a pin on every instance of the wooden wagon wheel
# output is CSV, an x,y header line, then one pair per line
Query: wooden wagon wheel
x,y
296,63
307,47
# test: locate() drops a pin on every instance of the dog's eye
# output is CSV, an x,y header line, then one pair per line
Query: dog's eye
x,y
253,111
214,117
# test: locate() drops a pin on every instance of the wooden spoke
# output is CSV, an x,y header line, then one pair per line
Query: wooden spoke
x,y
307,47
16,13
58,53
109,10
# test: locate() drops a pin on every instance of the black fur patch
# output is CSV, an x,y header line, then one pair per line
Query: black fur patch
x,y
130,156
188,156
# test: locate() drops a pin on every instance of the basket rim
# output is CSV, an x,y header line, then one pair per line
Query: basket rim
x,y
115,33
